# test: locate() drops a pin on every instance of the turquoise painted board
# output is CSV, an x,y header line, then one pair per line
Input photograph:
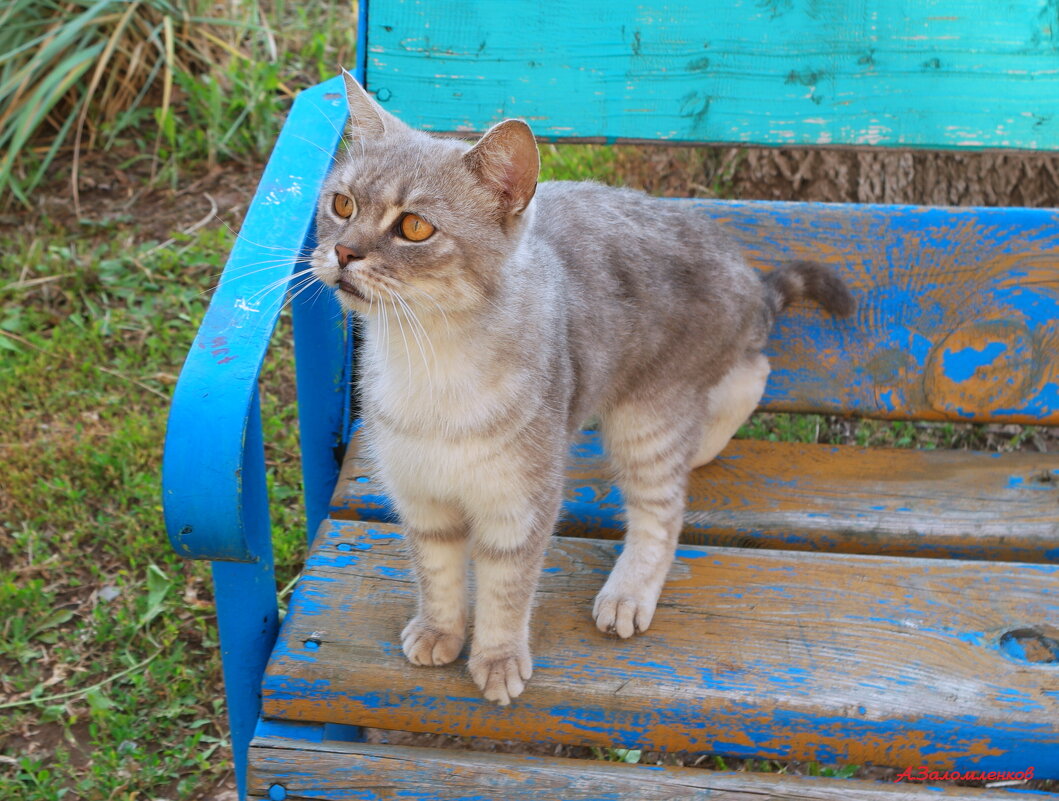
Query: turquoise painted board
x,y
920,73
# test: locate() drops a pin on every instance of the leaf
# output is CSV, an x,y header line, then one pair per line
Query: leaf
x,y
630,755
56,618
98,702
158,587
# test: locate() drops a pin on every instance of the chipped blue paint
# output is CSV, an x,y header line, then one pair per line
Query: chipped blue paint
x,y
961,365
289,729
392,572
690,552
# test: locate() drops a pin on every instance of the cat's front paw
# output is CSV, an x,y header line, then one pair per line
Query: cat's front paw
x,y
425,645
501,677
624,612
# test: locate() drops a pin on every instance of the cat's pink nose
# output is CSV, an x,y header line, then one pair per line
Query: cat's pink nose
x,y
345,255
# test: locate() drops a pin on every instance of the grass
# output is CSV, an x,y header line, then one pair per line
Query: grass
x,y
170,79
108,645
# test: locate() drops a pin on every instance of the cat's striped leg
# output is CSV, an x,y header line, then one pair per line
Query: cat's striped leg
x,y
651,455
438,541
508,554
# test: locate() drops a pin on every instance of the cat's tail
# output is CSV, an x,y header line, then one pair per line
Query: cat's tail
x,y
805,279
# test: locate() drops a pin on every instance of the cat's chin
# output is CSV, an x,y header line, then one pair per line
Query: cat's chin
x,y
351,297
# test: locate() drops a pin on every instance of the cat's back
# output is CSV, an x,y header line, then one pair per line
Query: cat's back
x,y
650,252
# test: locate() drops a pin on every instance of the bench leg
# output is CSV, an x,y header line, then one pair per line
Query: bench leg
x,y
247,611
247,622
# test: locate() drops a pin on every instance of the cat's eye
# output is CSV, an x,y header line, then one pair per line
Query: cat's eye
x,y
414,228
343,206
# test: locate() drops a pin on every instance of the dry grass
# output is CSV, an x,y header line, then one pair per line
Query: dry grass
x,y
76,73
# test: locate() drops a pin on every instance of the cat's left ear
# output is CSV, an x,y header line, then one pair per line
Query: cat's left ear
x,y
506,160
367,119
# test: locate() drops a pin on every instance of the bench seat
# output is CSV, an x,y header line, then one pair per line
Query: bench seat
x,y
777,654
834,498
334,771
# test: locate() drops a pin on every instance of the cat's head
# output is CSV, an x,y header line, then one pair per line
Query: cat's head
x,y
405,217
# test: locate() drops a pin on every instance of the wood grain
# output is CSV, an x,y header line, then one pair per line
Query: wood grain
x,y
948,504
956,316
949,73
834,658
364,771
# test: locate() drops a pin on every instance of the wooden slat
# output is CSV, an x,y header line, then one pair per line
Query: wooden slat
x,y
949,504
364,771
834,658
948,73
956,316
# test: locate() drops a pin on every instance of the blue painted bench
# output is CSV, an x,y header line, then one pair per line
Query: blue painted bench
x,y
830,603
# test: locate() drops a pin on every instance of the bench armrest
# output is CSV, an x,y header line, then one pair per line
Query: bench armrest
x,y
213,462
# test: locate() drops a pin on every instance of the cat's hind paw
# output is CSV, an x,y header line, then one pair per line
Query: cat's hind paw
x,y
501,678
425,645
623,614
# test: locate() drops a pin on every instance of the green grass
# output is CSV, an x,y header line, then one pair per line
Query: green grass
x,y
165,80
107,641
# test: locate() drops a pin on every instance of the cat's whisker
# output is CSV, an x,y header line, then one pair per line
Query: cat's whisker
x,y
235,278
302,289
321,149
329,120
441,310
239,235
413,322
293,287
404,339
287,279
269,264
371,306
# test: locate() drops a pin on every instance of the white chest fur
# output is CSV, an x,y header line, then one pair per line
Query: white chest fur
x,y
444,424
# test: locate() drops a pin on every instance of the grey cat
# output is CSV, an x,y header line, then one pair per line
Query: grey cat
x,y
500,316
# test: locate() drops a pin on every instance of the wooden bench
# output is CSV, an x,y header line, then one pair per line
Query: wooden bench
x,y
831,603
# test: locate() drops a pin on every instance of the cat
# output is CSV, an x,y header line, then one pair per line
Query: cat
x,y
499,316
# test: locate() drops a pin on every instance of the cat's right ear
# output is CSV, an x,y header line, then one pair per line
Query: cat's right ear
x,y
367,119
506,160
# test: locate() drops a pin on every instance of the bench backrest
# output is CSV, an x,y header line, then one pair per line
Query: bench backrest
x,y
957,306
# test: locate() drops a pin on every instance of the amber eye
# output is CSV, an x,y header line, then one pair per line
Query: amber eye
x,y
343,206
415,229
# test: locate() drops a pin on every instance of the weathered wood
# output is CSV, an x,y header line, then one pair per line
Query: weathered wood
x,y
949,73
948,504
956,314
835,658
364,771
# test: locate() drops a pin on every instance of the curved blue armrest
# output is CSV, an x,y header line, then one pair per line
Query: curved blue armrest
x,y
213,436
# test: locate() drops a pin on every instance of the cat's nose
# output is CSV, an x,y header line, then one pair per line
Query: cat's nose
x,y
345,255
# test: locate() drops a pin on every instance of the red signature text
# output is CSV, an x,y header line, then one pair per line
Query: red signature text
x,y
921,774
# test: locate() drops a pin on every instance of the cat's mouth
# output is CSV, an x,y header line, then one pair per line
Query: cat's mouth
x,y
346,286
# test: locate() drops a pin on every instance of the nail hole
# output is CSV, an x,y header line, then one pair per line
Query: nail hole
x,y
362,479
344,546
312,644
1029,644
277,792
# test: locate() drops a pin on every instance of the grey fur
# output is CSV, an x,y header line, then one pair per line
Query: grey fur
x,y
522,316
